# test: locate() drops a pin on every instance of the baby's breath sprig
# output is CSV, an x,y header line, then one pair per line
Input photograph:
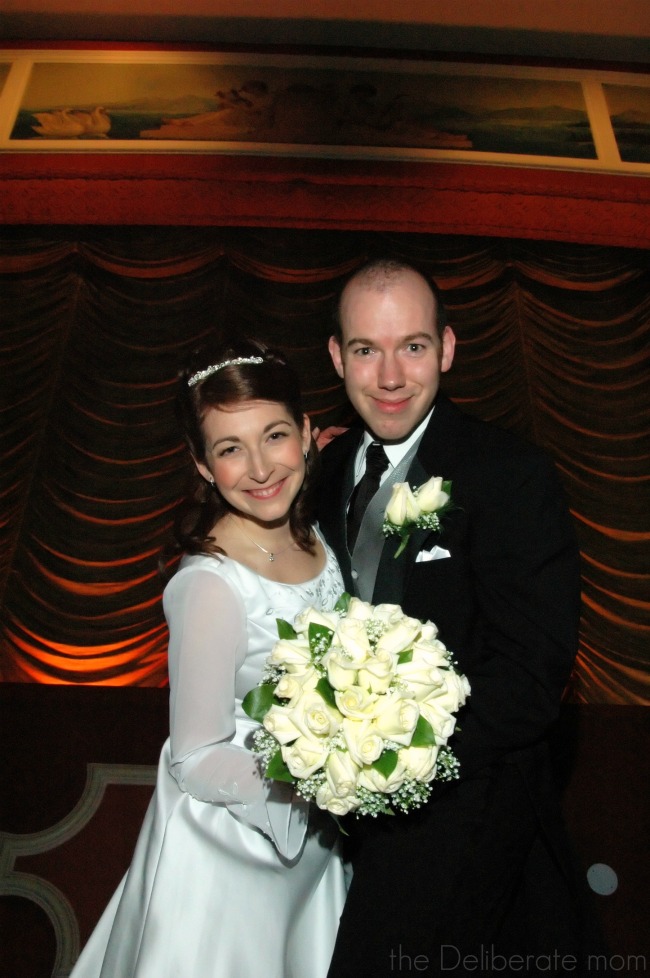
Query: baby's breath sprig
x,y
307,788
374,630
320,639
272,674
265,745
372,803
448,765
411,794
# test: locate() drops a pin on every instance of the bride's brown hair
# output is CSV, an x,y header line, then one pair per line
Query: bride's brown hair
x,y
248,370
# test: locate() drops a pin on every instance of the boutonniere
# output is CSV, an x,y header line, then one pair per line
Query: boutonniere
x,y
411,509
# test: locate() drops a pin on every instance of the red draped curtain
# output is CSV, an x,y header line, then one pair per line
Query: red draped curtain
x,y
552,341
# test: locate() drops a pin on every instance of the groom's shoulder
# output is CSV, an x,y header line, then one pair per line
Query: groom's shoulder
x,y
482,442
337,452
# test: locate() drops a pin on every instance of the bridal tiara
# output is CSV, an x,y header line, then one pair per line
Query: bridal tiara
x,y
238,361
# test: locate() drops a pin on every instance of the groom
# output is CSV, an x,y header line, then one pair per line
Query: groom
x,y
481,870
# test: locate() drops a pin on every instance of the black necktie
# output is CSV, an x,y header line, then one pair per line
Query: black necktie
x,y
376,465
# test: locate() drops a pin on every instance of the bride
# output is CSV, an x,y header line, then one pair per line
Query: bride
x,y
232,875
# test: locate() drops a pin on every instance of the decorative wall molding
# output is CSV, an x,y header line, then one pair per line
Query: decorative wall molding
x,y
45,894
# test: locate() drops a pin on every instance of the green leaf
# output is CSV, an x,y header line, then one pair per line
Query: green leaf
x,y
277,770
319,634
423,735
326,691
405,656
343,603
386,763
285,629
257,703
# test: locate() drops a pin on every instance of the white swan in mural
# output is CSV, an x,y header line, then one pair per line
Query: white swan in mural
x,y
96,123
73,123
58,124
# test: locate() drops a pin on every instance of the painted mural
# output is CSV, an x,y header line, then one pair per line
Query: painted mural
x,y
336,107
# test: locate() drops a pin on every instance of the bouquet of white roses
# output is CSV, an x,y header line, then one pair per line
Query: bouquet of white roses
x,y
357,706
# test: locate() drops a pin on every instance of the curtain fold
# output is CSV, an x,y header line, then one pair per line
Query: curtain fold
x,y
552,341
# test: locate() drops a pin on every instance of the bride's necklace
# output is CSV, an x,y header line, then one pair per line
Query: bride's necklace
x,y
272,554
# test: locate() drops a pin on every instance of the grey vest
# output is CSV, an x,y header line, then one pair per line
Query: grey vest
x,y
370,541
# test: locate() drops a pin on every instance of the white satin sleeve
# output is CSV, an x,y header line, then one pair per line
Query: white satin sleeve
x,y
207,645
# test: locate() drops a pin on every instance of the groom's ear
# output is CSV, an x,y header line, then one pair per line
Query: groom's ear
x,y
448,346
334,346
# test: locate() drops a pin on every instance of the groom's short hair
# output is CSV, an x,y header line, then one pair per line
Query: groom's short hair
x,y
379,275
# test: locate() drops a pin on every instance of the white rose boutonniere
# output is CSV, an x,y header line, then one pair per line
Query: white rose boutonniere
x,y
421,508
356,707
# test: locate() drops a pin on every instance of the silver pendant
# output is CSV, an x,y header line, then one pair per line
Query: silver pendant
x,y
271,556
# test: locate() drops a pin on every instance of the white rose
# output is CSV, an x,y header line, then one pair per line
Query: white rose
x,y
422,676
304,756
453,693
429,631
359,610
398,719
289,686
419,762
443,723
376,673
342,773
292,653
313,717
356,702
399,636
364,743
388,613
329,802
352,637
432,651
278,722
431,496
341,671
374,781
402,507
314,616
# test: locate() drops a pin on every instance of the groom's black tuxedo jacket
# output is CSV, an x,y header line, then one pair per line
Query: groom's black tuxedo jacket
x,y
486,859
506,600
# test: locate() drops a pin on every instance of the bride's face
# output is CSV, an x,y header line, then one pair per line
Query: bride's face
x,y
255,452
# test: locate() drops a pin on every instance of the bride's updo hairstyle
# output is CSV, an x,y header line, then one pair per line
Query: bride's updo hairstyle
x,y
220,376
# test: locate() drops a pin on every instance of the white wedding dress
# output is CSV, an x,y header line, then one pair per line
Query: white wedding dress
x,y
232,876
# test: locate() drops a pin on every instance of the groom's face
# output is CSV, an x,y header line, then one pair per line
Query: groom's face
x,y
390,354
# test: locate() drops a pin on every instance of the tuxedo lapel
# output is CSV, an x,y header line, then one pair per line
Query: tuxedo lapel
x,y
432,459
393,572
336,488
